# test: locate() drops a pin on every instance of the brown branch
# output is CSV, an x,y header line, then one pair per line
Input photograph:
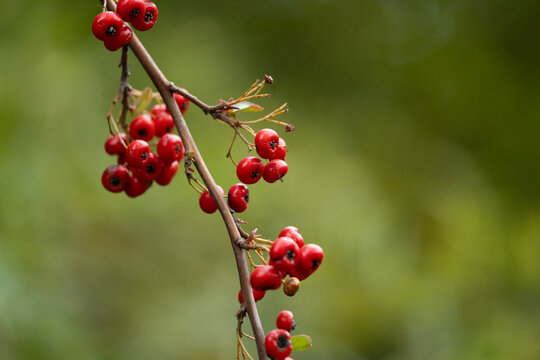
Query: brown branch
x,y
163,86
125,88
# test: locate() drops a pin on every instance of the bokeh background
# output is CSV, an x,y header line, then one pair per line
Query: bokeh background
x,y
414,164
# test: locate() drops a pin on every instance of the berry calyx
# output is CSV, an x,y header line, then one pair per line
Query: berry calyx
x,y
266,143
238,197
106,25
281,151
170,148
164,123
167,173
182,102
142,128
265,278
250,170
291,286
130,10
148,18
278,344
257,295
275,170
283,254
292,232
207,203
285,321
115,178
114,146
137,153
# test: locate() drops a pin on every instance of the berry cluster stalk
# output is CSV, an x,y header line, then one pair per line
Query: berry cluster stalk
x,y
164,88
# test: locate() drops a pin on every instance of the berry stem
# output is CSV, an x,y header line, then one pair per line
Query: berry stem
x,y
163,86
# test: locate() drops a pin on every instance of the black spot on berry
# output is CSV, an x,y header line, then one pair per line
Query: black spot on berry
x,y
290,254
134,13
142,132
144,155
111,30
273,144
246,198
148,16
150,168
114,181
315,264
177,148
282,342
255,174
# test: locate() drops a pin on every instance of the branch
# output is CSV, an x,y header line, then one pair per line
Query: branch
x,y
163,86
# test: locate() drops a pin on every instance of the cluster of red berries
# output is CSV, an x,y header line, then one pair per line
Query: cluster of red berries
x,y
138,167
110,28
270,147
250,170
278,341
288,256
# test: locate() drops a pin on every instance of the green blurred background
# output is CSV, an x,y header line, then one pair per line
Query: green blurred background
x,y
414,164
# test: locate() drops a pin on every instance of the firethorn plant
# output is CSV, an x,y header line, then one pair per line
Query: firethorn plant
x,y
147,150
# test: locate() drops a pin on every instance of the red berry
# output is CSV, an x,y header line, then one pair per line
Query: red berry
x,y
167,173
170,148
130,10
158,108
264,278
120,39
207,203
292,232
115,178
266,142
182,102
309,259
114,146
281,150
285,321
106,25
151,169
142,127
283,254
258,295
121,160
164,123
238,197
278,344
136,187
137,153
275,170
250,170
149,18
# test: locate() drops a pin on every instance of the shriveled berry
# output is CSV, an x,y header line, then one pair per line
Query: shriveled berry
x,y
114,146
238,197
170,148
142,128
264,278
150,170
164,123
167,173
182,102
136,187
275,170
106,25
283,254
278,344
137,153
115,178
292,232
285,321
250,170
281,151
266,142
207,203
130,10
149,18
257,295
291,286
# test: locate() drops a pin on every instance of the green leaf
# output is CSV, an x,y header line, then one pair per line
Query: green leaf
x,y
246,106
301,342
144,100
